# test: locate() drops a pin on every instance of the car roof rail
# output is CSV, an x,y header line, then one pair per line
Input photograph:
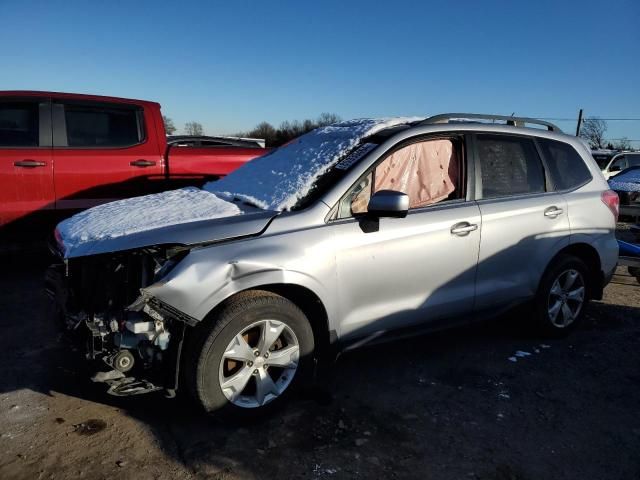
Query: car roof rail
x,y
514,121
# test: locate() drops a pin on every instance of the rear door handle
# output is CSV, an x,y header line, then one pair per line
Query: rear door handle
x,y
553,212
463,228
29,163
142,163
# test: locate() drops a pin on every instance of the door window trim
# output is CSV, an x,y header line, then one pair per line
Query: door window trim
x,y
44,122
60,140
468,174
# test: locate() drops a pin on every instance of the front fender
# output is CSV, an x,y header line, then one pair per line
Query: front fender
x,y
203,279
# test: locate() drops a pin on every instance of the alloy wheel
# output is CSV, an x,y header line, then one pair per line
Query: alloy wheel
x,y
566,298
259,363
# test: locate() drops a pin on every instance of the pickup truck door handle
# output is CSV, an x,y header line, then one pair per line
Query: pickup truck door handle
x,y
142,163
553,212
29,163
463,228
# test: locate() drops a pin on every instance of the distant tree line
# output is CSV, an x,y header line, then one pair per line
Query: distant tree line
x,y
288,130
274,137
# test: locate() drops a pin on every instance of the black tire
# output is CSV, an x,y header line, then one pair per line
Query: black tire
x,y
634,272
542,318
208,341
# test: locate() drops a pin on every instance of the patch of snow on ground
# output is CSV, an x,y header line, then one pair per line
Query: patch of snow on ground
x,y
133,215
277,180
522,354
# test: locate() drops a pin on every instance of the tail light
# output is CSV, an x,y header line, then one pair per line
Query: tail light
x,y
611,200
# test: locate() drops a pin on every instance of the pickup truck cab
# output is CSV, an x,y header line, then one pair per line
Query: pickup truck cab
x,y
62,152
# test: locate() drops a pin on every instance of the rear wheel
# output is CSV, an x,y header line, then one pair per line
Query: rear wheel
x,y
562,296
250,356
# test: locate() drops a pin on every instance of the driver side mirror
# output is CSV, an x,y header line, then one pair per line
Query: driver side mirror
x,y
389,203
614,168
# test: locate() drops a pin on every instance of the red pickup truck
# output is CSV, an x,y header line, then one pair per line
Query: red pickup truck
x,y
62,152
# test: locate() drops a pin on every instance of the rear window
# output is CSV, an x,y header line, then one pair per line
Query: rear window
x,y
102,126
566,167
19,124
510,166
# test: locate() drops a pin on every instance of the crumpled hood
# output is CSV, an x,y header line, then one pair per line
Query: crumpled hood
x,y
186,216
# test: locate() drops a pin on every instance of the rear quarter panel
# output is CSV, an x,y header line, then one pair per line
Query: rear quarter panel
x,y
590,220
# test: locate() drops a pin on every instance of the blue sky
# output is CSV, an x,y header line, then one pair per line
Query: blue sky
x,y
230,65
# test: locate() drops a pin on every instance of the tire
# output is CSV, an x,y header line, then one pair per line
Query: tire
x,y
256,379
634,272
558,308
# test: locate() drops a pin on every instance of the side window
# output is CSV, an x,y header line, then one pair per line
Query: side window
x,y
566,167
509,166
618,164
428,172
634,160
19,124
102,126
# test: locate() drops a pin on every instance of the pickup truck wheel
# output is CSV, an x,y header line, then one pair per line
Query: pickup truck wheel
x,y
250,356
562,296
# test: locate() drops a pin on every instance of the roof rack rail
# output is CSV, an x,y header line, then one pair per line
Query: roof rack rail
x,y
515,121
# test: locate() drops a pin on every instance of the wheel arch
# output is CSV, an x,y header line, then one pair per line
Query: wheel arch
x,y
590,256
306,300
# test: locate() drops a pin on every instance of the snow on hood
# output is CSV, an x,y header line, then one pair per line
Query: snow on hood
x,y
138,214
628,181
277,180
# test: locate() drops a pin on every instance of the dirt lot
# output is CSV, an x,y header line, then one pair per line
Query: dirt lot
x,y
449,405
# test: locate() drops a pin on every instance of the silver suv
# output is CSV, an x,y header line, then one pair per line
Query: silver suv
x,y
350,234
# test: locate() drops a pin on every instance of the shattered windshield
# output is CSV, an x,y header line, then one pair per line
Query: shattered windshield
x,y
284,178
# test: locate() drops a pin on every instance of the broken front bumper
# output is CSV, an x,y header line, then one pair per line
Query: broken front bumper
x,y
132,353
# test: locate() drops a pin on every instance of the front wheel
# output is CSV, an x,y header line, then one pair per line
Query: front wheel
x,y
562,296
250,356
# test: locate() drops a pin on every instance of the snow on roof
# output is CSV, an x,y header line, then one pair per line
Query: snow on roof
x,y
133,215
280,178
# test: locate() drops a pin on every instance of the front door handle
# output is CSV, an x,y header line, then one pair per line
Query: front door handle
x,y
142,163
29,163
463,228
553,212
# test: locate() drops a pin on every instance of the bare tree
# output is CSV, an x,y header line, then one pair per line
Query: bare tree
x,y
193,128
621,144
264,130
325,119
593,131
169,126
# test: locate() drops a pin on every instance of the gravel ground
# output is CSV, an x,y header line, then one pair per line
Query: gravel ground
x,y
450,405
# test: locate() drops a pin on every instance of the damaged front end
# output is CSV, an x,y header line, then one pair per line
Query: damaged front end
x,y
133,345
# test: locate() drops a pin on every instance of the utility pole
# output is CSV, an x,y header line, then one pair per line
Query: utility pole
x,y
579,123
